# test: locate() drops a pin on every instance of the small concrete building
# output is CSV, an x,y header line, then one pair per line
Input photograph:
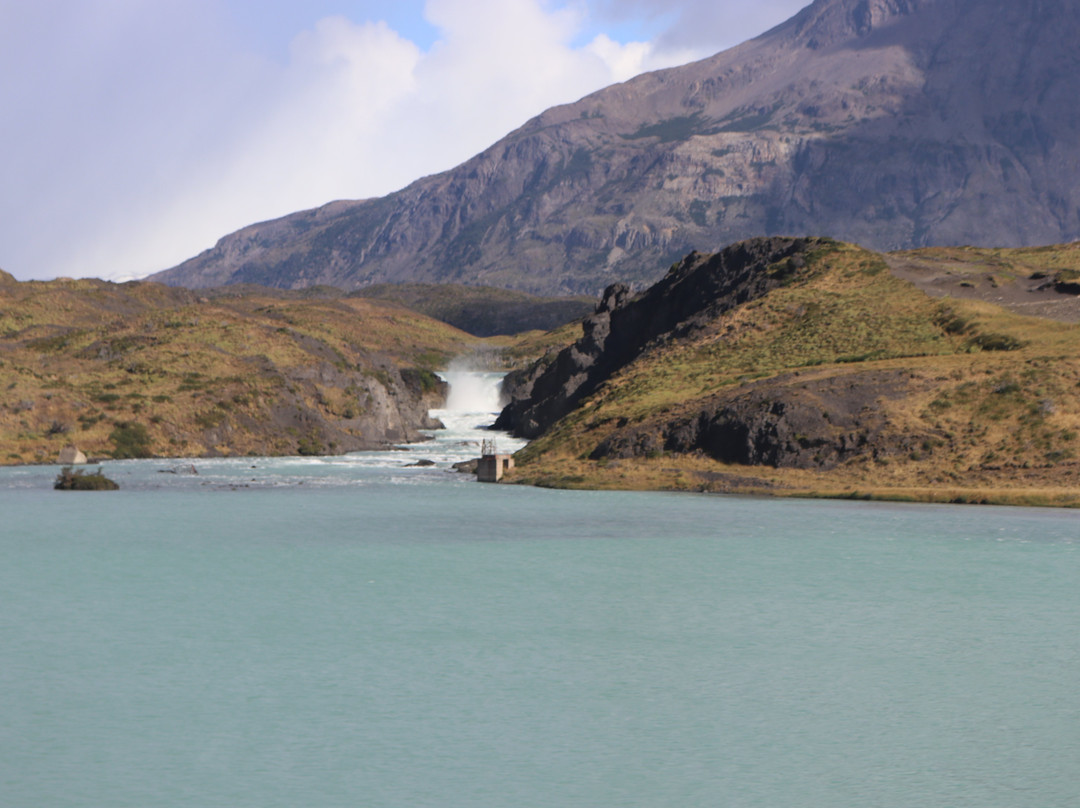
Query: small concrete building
x,y
492,466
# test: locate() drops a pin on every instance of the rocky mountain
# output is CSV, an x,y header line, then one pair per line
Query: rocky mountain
x,y
890,123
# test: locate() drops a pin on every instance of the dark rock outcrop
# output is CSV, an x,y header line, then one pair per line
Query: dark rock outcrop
x,y
693,293
785,422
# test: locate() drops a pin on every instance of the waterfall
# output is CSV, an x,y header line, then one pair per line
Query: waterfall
x,y
472,391
472,405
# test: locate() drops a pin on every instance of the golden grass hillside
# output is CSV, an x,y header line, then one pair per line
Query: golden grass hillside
x,y
906,396
140,369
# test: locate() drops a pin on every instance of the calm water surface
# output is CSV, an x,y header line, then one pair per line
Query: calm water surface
x,y
353,632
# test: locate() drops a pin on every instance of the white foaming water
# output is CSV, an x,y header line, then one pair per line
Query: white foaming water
x,y
472,391
472,405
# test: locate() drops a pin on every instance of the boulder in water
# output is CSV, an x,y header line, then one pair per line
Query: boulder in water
x,y
184,468
71,456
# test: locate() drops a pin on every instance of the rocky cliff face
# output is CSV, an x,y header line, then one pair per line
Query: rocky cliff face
x,y
324,409
785,422
891,123
692,294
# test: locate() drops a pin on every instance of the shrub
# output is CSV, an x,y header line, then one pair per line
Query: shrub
x,y
209,419
130,439
68,480
88,420
952,323
425,381
310,445
994,342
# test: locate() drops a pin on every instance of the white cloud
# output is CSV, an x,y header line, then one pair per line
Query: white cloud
x,y
710,24
160,137
312,136
624,61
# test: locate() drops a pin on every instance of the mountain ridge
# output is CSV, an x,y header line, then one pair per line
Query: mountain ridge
x,y
890,123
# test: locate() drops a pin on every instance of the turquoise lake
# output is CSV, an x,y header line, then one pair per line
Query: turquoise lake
x,y
356,632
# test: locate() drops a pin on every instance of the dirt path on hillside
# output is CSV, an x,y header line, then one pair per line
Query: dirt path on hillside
x,y
1031,296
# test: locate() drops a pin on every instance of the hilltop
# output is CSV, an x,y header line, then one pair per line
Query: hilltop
x,y
894,124
811,367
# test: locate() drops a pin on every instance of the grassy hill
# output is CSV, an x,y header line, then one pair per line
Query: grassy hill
x,y
848,379
140,369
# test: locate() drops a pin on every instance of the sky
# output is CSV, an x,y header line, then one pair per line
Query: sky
x,y
136,133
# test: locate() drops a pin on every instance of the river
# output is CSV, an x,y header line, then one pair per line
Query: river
x,y
360,631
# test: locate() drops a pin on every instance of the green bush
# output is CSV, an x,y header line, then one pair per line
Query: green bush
x,y
310,445
130,439
994,342
425,381
68,480
209,419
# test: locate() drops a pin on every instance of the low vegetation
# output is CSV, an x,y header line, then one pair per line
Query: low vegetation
x,y
985,410
143,370
80,480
